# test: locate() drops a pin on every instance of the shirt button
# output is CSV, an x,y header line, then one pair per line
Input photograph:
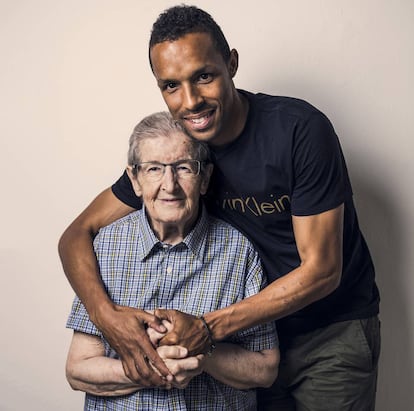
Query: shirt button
x,y
169,270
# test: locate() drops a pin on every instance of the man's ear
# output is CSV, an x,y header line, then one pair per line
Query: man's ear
x,y
206,178
233,63
134,181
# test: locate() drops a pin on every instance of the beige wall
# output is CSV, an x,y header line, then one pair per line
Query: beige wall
x,y
74,80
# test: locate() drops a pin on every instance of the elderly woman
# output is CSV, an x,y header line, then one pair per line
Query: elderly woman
x,y
172,254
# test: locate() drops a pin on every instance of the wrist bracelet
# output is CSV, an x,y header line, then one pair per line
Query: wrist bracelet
x,y
209,334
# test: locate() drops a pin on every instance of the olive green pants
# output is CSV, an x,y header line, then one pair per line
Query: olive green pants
x,y
330,369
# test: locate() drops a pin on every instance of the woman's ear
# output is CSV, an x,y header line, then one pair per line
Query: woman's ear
x,y
134,181
206,178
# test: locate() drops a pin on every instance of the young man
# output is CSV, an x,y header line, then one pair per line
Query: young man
x,y
171,253
280,178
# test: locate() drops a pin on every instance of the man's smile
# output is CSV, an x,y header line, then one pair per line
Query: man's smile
x,y
199,121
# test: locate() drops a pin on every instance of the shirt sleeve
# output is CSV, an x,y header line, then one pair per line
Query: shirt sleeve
x,y
124,191
79,319
320,178
263,336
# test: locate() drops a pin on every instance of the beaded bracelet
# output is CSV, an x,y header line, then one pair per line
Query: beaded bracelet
x,y
210,336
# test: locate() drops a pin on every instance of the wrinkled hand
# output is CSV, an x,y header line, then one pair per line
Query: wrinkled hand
x,y
124,329
183,368
188,331
155,336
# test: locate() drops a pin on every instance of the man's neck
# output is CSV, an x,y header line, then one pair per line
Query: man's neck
x,y
240,113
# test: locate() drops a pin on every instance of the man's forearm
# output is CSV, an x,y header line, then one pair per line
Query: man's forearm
x,y
81,269
242,369
319,244
77,253
102,376
283,297
88,370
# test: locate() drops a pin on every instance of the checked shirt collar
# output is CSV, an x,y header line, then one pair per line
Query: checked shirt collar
x,y
195,240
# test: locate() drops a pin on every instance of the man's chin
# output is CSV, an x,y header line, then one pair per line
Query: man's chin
x,y
202,135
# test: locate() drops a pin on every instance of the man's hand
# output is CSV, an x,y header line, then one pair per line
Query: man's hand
x,y
188,331
182,367
124,329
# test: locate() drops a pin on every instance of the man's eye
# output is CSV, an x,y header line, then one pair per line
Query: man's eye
x,y
183,168
205,78
153,169
171,86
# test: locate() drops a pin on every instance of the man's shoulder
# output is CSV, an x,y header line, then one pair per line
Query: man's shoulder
x,y
283,105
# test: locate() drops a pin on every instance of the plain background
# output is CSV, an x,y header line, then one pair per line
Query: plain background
x,y
74,81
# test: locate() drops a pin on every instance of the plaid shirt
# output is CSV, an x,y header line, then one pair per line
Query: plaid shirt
x,y
212,268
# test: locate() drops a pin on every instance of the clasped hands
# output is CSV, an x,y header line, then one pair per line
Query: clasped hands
x,y
157,349
181,366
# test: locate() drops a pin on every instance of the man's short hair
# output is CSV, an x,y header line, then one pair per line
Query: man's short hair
x,y
178,21
162,124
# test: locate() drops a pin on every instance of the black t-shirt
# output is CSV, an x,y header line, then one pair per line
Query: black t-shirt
x,y
288,161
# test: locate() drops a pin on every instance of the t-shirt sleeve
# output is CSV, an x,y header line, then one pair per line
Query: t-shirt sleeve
x,y
320,178
124,191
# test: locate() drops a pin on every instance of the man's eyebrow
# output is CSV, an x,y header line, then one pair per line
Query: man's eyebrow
x,y
162,82
205,69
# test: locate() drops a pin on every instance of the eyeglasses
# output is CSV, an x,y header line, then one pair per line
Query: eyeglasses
x,y
154,171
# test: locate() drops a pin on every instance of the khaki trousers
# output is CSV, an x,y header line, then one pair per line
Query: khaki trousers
x,y
330,369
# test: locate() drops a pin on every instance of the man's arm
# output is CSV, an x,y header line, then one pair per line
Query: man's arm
x,y
243,369
319,243
88,370
229,363
123,327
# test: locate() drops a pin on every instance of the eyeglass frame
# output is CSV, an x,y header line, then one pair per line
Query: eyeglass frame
x,y
135,167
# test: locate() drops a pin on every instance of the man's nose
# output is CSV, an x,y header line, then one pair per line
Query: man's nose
x,y
192,98
169,179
